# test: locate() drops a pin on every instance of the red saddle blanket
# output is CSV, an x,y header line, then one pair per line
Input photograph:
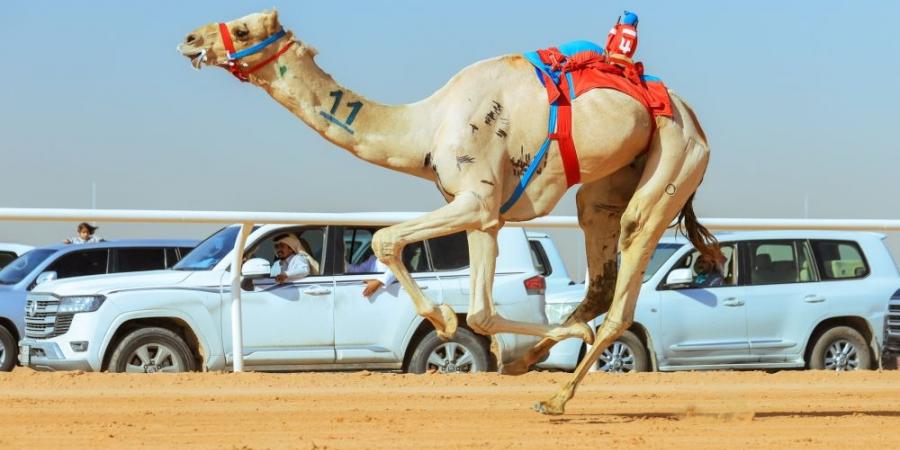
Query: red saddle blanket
x,y
586,70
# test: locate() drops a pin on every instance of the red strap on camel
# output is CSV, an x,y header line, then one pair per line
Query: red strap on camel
x,y
233,62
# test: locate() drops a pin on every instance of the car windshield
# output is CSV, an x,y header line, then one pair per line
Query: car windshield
x,y
660,255
17,270
206,255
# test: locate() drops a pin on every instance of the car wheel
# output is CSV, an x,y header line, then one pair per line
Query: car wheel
x,y
9,350
840,349
465,353
151,350
626,354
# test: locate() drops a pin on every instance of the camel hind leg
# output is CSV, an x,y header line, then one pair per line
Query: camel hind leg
x,y
676,163
600,207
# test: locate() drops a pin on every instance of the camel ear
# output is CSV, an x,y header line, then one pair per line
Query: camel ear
x,y
271,20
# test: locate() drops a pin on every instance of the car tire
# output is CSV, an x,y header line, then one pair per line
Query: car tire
x,y
9,350
627,354
465,353
840,349
151,350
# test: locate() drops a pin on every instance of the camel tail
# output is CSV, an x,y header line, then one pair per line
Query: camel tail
x,y
700,237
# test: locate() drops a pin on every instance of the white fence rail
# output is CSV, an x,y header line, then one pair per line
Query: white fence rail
x,y
248,219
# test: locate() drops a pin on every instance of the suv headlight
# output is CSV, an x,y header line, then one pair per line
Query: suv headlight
x,y
81,303
557,313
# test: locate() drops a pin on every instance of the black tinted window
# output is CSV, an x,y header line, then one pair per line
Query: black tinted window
x,y
138,259
81,263
171,257
539,258
840,260
6,258
450,252
414,258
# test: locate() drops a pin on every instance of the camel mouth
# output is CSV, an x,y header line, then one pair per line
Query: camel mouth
x,y
197,59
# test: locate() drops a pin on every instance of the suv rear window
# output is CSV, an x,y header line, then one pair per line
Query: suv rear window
x,y
139,259
81,263
6,258
840,260
539,258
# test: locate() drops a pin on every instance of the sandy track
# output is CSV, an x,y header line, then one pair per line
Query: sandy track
x,y
364,410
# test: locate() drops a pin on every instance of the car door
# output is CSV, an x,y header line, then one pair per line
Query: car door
x,y
781,295
704,326
372,330
289,323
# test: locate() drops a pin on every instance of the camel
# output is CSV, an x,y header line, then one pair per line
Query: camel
x,y
470,138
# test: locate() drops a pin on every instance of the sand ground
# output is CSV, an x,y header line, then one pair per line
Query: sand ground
x,y
700,410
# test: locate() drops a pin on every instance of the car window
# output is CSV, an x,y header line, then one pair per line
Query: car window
x,y
172,257
17,270
6,258
777,262
312,240
662,254
539,258
81,263
721,275
840,260
138,259
449,252
209,252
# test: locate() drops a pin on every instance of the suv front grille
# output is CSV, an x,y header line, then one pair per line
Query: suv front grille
x,y
42,320
892,323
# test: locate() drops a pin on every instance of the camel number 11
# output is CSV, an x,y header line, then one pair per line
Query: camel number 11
x,y
356,106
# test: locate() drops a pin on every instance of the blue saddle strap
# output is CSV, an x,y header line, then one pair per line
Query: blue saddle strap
x,y
535,163
256,48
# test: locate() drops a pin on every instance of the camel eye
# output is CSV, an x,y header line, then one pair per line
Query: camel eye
x,y
242,33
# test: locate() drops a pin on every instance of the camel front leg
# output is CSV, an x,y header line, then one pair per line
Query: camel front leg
x,y
482,317
600,207
674,171
463,213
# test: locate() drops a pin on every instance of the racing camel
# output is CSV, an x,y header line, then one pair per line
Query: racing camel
x,y
475,138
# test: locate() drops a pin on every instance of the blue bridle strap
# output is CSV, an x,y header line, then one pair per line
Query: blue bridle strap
x,y
535,163
258,47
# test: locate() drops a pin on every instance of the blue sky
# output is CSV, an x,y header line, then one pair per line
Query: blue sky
x,y
798,98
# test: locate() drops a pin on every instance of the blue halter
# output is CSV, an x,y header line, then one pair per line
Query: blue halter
x,y
258,47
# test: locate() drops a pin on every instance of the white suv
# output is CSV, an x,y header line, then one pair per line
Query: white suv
x,y
180,319
787,299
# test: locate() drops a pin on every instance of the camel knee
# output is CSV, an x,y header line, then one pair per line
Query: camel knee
x,y
385,245
631,225
480,323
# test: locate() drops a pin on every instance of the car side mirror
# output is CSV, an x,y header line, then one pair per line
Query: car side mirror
x,y
256,268
45,277
680,278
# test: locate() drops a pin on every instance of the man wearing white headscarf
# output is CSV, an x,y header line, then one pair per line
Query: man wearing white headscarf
x,y
293,261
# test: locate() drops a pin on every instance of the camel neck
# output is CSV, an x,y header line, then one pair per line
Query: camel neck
x,y
394,137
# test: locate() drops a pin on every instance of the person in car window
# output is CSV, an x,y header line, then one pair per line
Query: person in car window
x,y
707,272
85,235
372,265
294,262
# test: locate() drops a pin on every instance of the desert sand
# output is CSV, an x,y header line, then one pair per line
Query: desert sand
x,y
696,410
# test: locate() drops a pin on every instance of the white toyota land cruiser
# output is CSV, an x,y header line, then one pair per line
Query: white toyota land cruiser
x,y
180,319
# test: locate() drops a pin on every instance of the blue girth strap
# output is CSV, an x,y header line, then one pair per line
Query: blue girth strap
x,y
535,163
258,47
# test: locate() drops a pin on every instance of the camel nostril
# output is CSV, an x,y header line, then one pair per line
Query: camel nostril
x,y
190,39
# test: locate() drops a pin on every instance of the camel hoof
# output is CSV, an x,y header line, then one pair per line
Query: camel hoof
x,y
450,323
515,368
548,410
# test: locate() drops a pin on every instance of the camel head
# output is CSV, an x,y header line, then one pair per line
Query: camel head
x,y
206,45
